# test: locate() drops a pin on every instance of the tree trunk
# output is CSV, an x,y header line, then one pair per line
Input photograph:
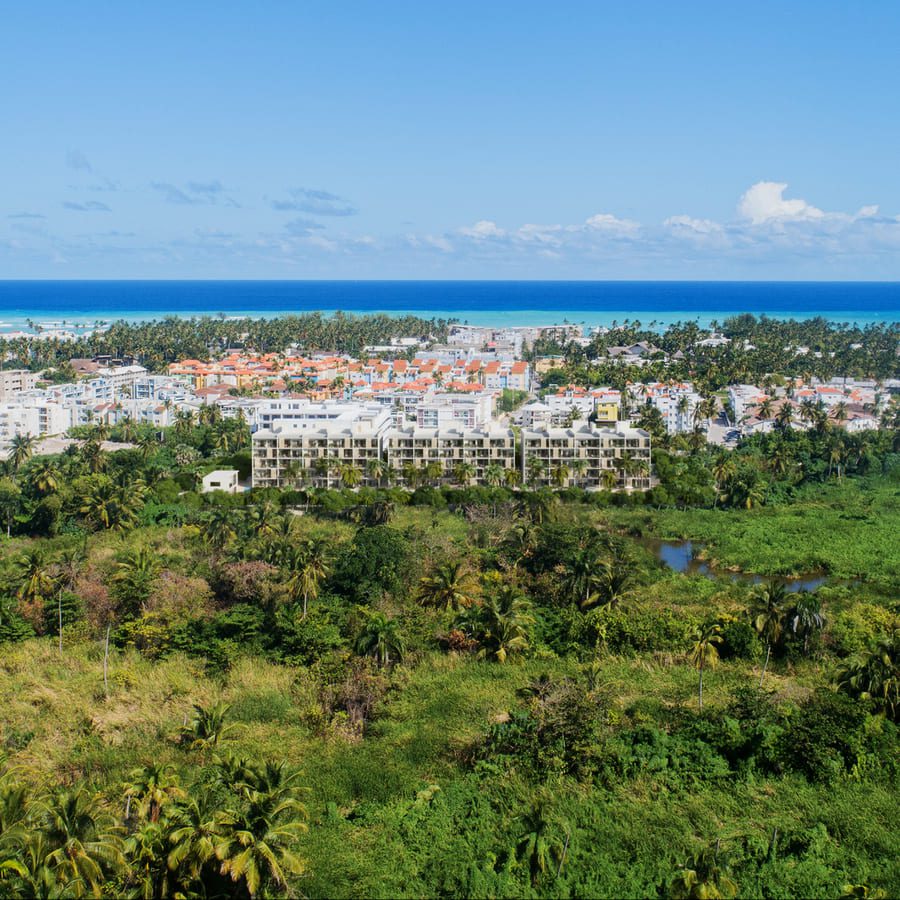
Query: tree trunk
x,y
700,690
59,605
106,663
766,663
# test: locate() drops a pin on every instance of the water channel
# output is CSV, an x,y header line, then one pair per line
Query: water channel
x,y
682,556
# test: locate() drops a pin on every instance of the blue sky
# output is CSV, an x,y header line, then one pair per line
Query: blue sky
x,y
450,140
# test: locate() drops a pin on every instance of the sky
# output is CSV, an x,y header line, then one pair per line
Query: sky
x,y
647,140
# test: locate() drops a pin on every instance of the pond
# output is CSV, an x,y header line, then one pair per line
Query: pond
x,y
681,556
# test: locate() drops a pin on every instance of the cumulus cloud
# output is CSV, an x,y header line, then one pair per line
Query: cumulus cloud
x,y
610,223
483,229
87,206
765,202
314,202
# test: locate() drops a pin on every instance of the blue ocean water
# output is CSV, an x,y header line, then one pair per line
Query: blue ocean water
x,y
477,302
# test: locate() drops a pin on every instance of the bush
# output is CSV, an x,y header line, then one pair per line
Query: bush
x,y
825,737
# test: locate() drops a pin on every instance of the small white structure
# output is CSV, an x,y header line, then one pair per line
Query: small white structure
x,y
221,480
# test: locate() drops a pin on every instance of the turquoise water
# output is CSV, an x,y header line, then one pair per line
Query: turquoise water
x,y
69,303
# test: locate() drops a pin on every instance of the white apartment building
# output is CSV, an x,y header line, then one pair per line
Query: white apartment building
x,y
16,381
448,447
676,403
582,453
316,439
472,410
35,417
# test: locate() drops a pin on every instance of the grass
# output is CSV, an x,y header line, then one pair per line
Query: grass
x,y
848,530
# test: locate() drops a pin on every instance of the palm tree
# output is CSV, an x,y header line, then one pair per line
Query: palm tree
x,y
255,846
785,416
350,475
536,468
152,786
512,477
193,837
560,475
376,469
309,567
45,476
705,654
463,473
36,583
135,577
768,609
450,586
806,619
209,727
540,846
83,843
218,530
502,624
494,475
380,637
21,448
608,479
874,675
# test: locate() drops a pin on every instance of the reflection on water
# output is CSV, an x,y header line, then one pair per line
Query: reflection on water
x,y
681,556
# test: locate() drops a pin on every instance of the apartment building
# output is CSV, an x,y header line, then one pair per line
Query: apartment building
x,y
16,381
676,402
315,440
448,447
580,455
33,416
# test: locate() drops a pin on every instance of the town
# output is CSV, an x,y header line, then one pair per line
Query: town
x,y
476,409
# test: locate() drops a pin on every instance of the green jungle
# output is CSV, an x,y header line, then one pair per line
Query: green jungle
x,y
442,690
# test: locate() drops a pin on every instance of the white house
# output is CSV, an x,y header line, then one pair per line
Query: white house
x,y
221,480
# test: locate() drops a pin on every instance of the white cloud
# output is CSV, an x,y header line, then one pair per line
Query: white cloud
x,y
483,229
764,202
609,222
687,223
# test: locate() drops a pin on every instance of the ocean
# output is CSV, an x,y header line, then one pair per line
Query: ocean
x,y
658,303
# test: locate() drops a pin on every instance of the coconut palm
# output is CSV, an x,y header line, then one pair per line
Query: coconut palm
x,y
83,842
805,619
768,612
218,528
463,473
192,838
376,469
20,450
256,846
45,476
350,475
135,577
494,474
541,846
705,654
450,586
152,787
502,624
560,475
35,579
512,477
208,727
874,675
309,566
380,637
608,479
